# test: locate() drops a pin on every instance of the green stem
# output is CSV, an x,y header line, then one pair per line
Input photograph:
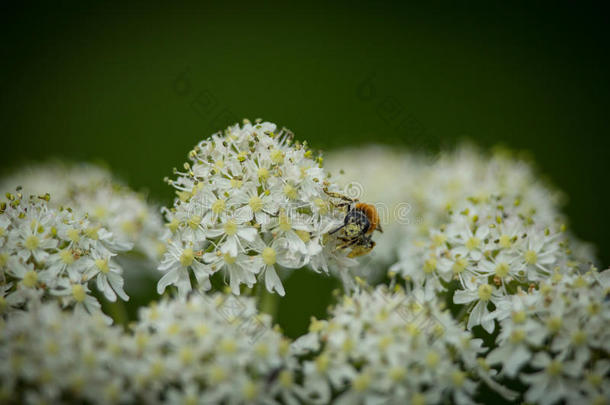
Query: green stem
x,y
118,312
267,302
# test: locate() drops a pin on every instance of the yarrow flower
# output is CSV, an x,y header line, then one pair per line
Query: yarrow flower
x,y
490,250
383,347
251,200
53,254
93,191
559,330
216,348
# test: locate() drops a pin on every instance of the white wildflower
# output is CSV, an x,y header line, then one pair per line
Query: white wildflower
x,y
55,253
249,202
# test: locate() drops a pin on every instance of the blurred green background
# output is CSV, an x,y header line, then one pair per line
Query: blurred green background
x,y
137,86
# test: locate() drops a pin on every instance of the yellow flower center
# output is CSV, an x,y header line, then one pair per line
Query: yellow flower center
x,y
531,257
229,259
277,156
397,373
485,291
321,205
430,265
505,241
519,317
459,266
286,378
362,382
30,278
187,257
432,359
554,368
554,324
269,256
218,206
73,235
78,292
66,256
517,336
263,173
102,264
290,192
502,269
32,242
230,227
473,243
256,203
458,378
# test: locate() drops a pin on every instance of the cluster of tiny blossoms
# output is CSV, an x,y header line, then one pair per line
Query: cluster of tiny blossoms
x,y
560,332
492,250
48,253
211,349
415,193
92,190
251,199
382,347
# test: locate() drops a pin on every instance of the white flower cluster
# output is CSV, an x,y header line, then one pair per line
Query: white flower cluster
x,y
250,200
212,349
382,347
415,193
92,190
560,331
48,253
52,356
492,250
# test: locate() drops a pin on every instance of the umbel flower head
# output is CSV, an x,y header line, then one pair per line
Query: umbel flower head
x,y
490,250
389,347
558,335
53,254
250,200
92,190
214,347
415,193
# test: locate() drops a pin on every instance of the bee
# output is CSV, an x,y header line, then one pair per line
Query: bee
x,y
361,220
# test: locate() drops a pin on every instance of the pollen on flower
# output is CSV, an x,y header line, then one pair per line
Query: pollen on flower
x,y
230,227
502,269
256,203
30,279
531,257
290,192
485,291
187,257
362,382
473,243
218,206
102,264
78,292
269,256
32,242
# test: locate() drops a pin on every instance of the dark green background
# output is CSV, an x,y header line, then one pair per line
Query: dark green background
x,y
138,86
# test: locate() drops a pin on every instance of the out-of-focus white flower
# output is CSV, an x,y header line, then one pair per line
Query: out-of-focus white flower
x,y
491,250
52,356
560,330
49,253
382,347
217,345
249,201
92,190
213,349
415,194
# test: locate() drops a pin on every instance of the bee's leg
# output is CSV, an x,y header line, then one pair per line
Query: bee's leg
x,y
347,243
337,195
